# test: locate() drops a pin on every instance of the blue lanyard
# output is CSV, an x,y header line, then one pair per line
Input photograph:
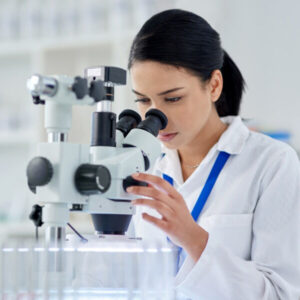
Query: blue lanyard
x,y
209,184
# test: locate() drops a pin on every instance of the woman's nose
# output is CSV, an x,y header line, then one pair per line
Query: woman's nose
x,y
155,106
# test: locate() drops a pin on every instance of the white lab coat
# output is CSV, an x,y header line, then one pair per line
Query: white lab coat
x,y
252,216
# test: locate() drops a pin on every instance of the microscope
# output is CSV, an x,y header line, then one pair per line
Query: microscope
x,y
67,177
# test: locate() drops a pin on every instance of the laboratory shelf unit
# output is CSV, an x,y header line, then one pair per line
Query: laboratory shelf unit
x,y
33,46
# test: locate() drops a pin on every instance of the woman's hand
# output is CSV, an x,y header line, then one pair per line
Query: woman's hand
x,y
176,220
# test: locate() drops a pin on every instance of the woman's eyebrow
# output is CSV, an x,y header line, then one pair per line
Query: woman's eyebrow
x,y
138,93
160,94
169,91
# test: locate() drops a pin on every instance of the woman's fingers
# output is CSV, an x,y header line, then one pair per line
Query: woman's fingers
x,y
145,191
151,192
157,181
156,221
164,210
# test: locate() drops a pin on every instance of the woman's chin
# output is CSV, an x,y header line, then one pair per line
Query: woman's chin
x,y
170,145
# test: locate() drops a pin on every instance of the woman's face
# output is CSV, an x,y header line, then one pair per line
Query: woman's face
x,y
181,96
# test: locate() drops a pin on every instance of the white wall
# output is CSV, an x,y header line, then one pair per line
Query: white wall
x,y
262,37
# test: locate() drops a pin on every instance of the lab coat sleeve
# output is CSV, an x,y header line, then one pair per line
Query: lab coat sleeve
x,y
273,271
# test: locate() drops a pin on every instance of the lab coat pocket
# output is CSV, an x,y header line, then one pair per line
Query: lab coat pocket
x,y
233,231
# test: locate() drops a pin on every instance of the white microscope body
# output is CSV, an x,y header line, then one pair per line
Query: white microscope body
x,y
90,179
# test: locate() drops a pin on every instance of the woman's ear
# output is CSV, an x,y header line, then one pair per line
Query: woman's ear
x,y
216,85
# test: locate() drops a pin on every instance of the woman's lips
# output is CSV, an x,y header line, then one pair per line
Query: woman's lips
x,y
166,137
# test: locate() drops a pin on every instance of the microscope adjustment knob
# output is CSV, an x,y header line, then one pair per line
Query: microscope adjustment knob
x,y
97,90
92,179
36,215
39,172
130,181
80,87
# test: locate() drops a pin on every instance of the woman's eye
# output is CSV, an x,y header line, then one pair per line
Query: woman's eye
x,y
173,99
143,100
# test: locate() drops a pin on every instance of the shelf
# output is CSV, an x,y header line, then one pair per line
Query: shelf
x,y
28,47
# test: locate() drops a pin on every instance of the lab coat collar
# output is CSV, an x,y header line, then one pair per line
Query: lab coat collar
x,y
231,141
234,138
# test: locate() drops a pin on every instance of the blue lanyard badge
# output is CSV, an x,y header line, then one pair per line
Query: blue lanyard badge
x,y
209,184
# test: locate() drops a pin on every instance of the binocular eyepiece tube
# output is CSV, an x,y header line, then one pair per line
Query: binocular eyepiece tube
x,y
88,177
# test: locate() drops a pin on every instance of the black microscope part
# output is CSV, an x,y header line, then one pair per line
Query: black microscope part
x,y
155,120
80,87
36,215
130,181
81,237
76,207
97,90
92,179
128,119
37,100
103,129
39,172
115,75
130,113
111,224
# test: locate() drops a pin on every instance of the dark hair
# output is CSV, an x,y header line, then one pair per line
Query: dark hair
x,y
184,39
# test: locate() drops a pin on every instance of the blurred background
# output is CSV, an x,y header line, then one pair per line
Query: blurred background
x,y
66,36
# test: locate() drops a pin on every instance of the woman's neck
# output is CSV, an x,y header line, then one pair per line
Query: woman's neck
x,y
193,153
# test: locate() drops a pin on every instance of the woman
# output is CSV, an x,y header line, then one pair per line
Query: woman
x,y
241,241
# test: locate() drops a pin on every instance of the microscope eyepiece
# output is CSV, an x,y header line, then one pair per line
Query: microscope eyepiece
x,y
155,121
130,113
128,119
159,114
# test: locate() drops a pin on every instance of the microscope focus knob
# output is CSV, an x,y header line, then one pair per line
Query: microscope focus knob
x,y
130,181
97,91
92,179
80,87
39,172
